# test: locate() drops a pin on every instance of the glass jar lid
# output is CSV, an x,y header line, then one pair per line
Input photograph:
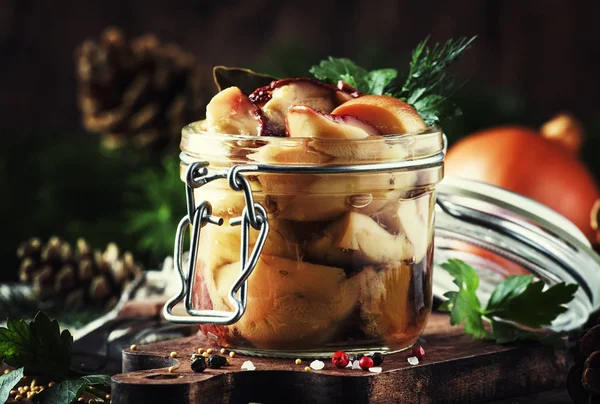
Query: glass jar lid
x,y
501,233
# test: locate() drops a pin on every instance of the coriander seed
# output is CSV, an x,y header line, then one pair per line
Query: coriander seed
x,y
12,393
173,354
307,369
209,351
18,397
205,354
222,350
298,361
133,347
6,371
200,350
51,384
231,354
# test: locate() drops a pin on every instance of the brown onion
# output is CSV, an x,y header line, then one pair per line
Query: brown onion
x,y
523,161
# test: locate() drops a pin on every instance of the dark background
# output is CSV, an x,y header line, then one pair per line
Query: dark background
x,y
531,60
546,50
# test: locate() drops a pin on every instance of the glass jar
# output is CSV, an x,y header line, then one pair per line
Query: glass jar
x,y
305,246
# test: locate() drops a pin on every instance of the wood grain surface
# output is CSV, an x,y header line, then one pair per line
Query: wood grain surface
x,y
456,370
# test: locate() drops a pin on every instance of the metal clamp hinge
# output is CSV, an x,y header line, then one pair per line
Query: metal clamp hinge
x,y
254,214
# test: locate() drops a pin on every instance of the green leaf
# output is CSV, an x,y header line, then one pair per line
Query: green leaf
x,y
39,346
467,308
517,300
535,307
464,305
507,289
245,79
505,333
68,391
332,70
465,276
377,80
8,382
426,86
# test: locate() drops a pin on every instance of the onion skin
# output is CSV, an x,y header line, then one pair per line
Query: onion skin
x,y
521,160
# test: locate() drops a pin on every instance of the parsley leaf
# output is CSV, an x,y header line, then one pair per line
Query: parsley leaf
x,y
7,382
332,70
464,304
534,307
518,299
426,86
67,392
39,346
377,80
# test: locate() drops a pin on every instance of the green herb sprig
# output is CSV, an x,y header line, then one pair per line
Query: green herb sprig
x,y
517,300
40,347
427,86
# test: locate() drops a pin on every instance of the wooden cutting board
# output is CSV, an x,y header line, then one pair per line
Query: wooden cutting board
x,y
456,369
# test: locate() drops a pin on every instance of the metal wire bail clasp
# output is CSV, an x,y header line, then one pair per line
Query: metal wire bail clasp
x,y
254,214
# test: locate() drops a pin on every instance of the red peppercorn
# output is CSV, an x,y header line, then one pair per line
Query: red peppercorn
x,y
340,359
419,352
365,363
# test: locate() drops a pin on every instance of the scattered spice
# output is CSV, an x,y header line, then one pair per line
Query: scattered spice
x,y
377,358
198,364
50,384
365,363
133,347
205,354
12,393
216,361
340,359
200,350
18,397
419,352
298,361
231,354
173,354
307,369
173,368
222,350
413,360
209,351
6,371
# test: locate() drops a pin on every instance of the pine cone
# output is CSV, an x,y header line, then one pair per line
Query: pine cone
x,y
140,92
583,380
77,277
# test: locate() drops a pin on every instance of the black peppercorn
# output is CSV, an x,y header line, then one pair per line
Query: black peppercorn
x,y
198,364
216,361
377,358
